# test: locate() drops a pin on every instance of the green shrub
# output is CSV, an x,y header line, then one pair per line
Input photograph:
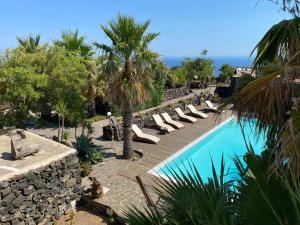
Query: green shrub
x,y
96,118
66,135
86,168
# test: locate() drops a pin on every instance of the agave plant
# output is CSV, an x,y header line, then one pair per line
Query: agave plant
x,y
87,150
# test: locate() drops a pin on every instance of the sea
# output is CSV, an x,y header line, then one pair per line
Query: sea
x,y
235,61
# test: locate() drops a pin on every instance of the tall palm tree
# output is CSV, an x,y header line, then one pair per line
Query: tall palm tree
x,y
30,44
76,44
128,66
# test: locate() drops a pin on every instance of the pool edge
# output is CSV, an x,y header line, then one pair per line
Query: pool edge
x,y
155,169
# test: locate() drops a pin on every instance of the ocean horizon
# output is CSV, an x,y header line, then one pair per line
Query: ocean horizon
x,y
235,61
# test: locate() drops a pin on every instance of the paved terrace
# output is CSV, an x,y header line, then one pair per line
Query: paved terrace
x,y
50,151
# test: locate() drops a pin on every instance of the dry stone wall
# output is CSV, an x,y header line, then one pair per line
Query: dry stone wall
x,y
173,93
42,195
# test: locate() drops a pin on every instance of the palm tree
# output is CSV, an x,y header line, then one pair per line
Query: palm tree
x,y
291,6
76,44
272,96
128,66
61,109
30,44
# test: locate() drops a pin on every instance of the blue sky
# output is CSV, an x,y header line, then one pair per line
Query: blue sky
x,y
223,27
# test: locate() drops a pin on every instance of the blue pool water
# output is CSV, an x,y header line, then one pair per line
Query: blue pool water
x,y
227,139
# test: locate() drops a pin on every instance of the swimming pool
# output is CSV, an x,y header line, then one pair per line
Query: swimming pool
x,y
225,139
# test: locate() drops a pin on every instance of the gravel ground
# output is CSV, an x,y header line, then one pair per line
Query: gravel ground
x,y
81,217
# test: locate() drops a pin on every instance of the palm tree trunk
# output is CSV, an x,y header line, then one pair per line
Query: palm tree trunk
x,y
91,104
82,129
62,127
75,131
127,133
58,132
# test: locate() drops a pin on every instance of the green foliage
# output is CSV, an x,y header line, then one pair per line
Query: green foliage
x,y
87,150
61,108
192,70
47,76
67,79
66,135
26,69
89,127
30,44
280,45
226,72
265,198
96,118
86,168
256,197
178,76
187,199
75,44
199,69
158,90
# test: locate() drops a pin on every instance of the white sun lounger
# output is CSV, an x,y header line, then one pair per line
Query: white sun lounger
x,y
159,122
142,136
185,117
195,112
211,106
172,122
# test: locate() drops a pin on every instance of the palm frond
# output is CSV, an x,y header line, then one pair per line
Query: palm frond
x,y
279,44
187,199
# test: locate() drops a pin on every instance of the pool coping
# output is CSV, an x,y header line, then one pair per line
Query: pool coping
x,y
155,169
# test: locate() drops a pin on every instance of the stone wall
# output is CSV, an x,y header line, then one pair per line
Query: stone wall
x,y
175,93
42,195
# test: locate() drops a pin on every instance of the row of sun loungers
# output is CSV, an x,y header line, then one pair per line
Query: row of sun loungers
x,y
169,123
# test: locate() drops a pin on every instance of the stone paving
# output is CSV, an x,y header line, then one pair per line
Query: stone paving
x,y
123,192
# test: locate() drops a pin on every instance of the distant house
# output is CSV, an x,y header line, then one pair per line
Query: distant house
x,y
240,71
